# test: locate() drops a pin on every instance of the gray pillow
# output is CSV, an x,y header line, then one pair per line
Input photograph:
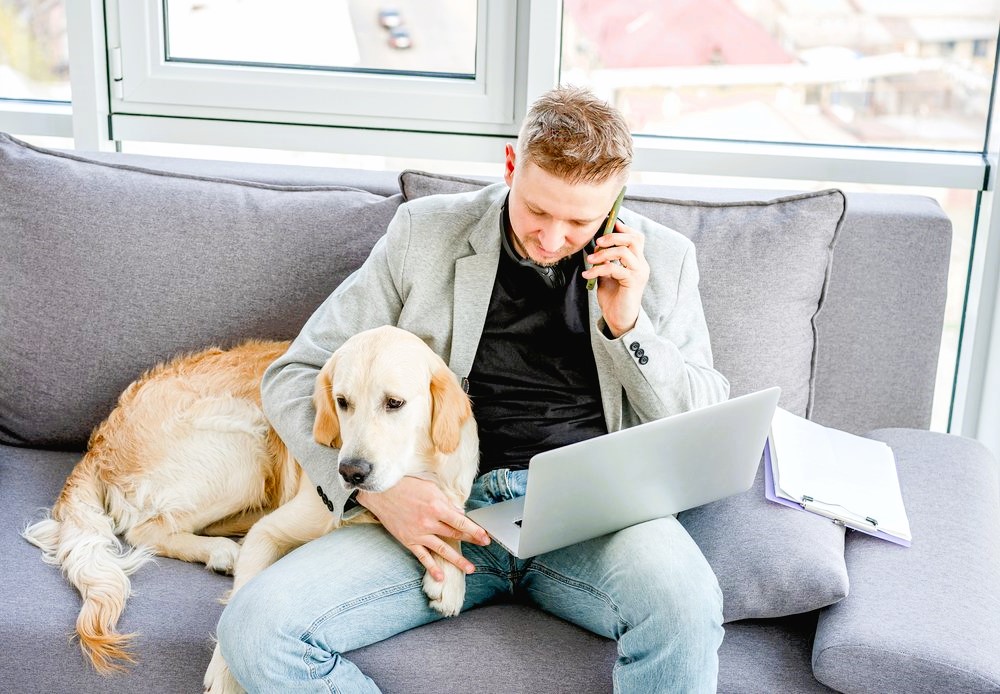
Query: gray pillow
x,y
107,269
925,618
764,267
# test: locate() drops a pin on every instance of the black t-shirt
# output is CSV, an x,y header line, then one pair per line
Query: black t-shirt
x,y
533,383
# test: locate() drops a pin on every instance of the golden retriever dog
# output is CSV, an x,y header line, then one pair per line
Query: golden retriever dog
x,y
392,408
188,460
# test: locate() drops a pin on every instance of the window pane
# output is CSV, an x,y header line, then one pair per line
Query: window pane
x,y
429,36
900,73
34,53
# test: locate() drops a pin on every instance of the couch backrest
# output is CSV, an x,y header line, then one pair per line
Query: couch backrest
x,y
880,327
878,330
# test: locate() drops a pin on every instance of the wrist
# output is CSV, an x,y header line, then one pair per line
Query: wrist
x,y
614,332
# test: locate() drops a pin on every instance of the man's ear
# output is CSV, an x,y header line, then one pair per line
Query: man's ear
x,y
509,162
326,426
450,408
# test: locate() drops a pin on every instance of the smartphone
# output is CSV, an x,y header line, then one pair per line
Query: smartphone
x,y
609,226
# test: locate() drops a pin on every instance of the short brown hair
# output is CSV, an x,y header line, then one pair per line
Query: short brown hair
x,y
572,134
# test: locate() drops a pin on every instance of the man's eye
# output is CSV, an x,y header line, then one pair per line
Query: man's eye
x,y
394,403
342,402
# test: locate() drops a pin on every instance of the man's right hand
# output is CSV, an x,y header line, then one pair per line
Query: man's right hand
x,y
418,514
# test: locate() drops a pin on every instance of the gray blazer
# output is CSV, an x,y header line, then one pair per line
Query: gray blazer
x,y
432,274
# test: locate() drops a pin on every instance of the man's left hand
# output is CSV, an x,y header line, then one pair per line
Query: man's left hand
x,y
622,273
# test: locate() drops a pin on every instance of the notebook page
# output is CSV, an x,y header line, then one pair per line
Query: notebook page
x,y
867,483
850,476
801,448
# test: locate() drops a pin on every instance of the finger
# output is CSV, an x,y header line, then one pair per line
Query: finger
x,y
468,531
450,554
621,255
622,236
425,558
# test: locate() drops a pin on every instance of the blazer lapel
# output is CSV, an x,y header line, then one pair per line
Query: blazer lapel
x,y
474,278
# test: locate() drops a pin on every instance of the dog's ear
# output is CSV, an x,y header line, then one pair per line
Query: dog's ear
x,y
326,426
450,409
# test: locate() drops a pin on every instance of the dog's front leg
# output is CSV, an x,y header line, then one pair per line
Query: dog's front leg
x,y
447,596
218,678
302,519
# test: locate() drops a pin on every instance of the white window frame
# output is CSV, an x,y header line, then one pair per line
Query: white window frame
x,y
149,84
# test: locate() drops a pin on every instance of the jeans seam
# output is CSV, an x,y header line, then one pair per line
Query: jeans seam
x,y
357,602
307,661
584,587
603,597
341,609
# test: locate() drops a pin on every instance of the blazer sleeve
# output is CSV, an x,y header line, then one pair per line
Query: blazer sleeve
x,y
665,362
368,298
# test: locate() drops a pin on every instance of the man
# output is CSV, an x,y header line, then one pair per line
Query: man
x,y
495,282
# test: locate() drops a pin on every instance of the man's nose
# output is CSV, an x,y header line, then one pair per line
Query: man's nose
x,y
552,237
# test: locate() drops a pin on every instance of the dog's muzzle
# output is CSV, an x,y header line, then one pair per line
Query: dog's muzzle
x,y
355,471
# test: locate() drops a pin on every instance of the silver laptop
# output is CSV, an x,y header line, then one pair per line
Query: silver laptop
x,y
587,489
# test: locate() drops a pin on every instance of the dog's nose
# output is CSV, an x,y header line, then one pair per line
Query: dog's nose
x,y
355,470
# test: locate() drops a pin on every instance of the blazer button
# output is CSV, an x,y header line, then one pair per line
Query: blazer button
x,y
643,360
639,353
634,346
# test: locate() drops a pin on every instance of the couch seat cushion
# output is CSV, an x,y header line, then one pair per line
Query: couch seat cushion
x,y
176,606
924,618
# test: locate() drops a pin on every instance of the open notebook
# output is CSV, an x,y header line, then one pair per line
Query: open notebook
x,y
849,479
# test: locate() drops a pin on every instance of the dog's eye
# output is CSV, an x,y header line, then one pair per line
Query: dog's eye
x,y
394,403
342,402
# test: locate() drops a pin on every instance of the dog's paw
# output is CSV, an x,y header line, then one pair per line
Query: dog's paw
x,y
218,678
223,555
448,596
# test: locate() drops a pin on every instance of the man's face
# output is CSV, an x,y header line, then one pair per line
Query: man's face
x,y
551,218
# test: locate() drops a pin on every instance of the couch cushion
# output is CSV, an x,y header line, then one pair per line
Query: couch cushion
x,y
108,269
770,560
764,268
924,618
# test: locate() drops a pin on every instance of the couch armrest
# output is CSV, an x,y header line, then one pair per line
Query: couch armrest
x,y
924,618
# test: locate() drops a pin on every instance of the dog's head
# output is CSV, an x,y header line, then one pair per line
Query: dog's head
x,y
388,403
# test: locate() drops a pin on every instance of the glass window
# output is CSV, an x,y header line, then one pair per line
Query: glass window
x,y
428,37
34,52
893,73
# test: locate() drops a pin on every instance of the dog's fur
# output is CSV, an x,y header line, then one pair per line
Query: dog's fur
x,y
187,459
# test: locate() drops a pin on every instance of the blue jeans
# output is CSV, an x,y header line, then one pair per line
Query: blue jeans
x,y
648,587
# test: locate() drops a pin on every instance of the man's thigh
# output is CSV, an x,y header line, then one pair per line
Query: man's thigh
x,y
611,583
352,587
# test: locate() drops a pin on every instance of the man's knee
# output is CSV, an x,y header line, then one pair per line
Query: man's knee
x,y
677,582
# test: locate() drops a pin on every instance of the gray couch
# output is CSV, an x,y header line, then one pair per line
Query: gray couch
x,y
110,263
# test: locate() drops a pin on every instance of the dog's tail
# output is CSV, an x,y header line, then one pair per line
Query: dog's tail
x,y
79,536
